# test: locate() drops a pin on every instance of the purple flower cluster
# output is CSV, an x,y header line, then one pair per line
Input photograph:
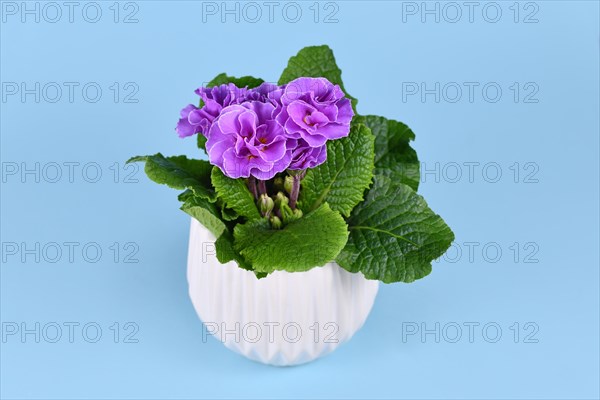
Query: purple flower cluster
x,y
263,131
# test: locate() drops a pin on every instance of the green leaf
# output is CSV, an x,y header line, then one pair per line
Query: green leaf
x,y
241,82
394,235
179,172
315,62
393,155
226,252
227,213
235,194
308,242
343,178
207,213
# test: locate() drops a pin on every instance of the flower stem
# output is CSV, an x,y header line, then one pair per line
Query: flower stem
x,y
252,186
262,187
295,191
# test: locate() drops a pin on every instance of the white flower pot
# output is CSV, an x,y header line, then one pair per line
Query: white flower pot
x,y
283,319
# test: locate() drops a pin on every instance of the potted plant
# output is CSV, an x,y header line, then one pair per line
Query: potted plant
x,y
302,207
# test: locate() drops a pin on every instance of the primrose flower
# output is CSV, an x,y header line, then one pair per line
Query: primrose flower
x,y
245,140
304,156
188,126
263,131
315,110
267,93
194,120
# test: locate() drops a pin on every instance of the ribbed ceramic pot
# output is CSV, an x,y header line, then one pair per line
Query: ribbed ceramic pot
x,y
283,319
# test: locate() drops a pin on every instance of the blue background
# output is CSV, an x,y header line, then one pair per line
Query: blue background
x,y
168,53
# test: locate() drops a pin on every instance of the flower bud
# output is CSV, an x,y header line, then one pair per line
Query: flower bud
x,y
297,213
265,204
288,183
287,214
281,199
275,222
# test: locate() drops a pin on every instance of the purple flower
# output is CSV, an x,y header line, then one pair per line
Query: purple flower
x,y
185,126
315,110
304,156
245,140
194,119
265,130
267,93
